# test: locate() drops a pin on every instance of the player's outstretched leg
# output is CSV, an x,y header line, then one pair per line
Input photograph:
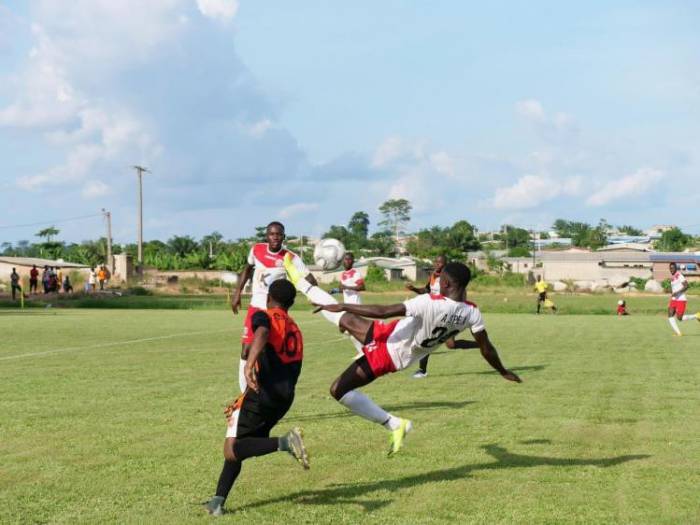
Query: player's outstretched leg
x,y
344,390
315,294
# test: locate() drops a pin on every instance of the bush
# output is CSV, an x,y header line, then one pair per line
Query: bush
x,y
638,282
140,290
375,274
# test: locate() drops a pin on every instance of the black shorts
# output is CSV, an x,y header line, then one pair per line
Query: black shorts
x,y
254,418
543,296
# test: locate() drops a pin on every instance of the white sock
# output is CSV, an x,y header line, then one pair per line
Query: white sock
x,y
363,406
242,384
674,325
318,296
689,317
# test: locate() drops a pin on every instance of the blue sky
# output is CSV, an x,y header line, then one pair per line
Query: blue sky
x,y
309,111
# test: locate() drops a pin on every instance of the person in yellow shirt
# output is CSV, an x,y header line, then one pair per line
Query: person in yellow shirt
x,y
541,288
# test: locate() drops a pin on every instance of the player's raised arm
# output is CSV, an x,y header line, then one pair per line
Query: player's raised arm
x,y
373,311
488,351
244,278
260,340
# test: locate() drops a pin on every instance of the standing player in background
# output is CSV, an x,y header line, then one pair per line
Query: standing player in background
x,y
428,321
351,282
272,370
265,266
431,287
541,287
679,301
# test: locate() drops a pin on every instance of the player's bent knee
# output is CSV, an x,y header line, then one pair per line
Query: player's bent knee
x,y
228,449
336,391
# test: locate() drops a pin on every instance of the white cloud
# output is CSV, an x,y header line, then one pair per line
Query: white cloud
x,y
297,209
222,9
530,109
259,128
633,185
531,190
94,189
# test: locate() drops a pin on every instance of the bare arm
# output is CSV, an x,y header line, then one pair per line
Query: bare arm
x,y
358,288
256,348
373,311
682,290
419,291
488,352
245,277
460,344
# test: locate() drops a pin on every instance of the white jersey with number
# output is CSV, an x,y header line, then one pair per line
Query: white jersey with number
x,y
268,269
678,281
351,277
430,321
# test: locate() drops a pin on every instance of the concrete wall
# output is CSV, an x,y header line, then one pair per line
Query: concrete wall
x,y
590,271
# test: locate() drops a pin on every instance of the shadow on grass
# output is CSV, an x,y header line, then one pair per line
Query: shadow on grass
x,y
357,493
416,405
531,368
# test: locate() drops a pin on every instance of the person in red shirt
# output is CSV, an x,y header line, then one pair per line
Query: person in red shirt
x,y
622,307
33,279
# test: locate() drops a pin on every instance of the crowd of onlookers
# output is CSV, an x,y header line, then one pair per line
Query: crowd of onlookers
x,y
53,280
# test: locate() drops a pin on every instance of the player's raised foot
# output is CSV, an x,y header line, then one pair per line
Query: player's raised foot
x,y
292,273
419,374
697,316
215,506
397,436
293,442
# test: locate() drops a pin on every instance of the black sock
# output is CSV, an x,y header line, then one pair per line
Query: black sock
x,y
423,365
227,477
251,447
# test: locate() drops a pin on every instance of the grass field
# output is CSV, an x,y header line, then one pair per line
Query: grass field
x,y
115,416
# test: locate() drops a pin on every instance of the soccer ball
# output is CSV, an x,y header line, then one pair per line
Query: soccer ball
x,y
328,253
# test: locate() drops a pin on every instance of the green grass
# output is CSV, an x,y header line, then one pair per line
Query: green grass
x,y
495,301
97,426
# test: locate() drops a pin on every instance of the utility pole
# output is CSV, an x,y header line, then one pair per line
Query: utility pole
x,y
110,261
140,170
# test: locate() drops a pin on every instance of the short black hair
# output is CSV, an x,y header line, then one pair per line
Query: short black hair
x,y
349,254
283,292
458,272
275,223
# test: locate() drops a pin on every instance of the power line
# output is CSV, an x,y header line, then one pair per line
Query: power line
x,y
58,221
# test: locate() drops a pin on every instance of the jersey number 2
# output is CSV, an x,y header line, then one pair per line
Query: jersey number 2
x,y
439,336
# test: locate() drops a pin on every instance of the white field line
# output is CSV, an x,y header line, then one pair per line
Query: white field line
x,y
114,343
134,341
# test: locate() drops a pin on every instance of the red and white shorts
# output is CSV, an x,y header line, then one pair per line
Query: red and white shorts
x,y
247,336
376,351
679,306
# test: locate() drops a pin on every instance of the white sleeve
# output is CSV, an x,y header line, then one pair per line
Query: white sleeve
x,y
476,321
251,258
300,266
417,306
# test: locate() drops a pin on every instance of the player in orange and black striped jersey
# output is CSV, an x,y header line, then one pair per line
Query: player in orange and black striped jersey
x,y
272,369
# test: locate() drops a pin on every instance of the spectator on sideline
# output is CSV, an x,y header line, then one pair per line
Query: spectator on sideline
x,y
92,279
45,276
67,286
102,276
14,280
33,279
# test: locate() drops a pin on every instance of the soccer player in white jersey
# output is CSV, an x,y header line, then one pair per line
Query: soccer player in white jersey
x,y
265,266
433,287
351,281
679,301
428,321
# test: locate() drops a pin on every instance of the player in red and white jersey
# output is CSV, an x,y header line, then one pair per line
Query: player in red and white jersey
x,y
351,281
428,321
431,287
265,265
678,303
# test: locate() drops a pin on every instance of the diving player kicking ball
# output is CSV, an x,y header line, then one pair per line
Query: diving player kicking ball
x,y
428,321
271,372
265,266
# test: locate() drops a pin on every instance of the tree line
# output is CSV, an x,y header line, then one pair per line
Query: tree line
x,y
212,251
